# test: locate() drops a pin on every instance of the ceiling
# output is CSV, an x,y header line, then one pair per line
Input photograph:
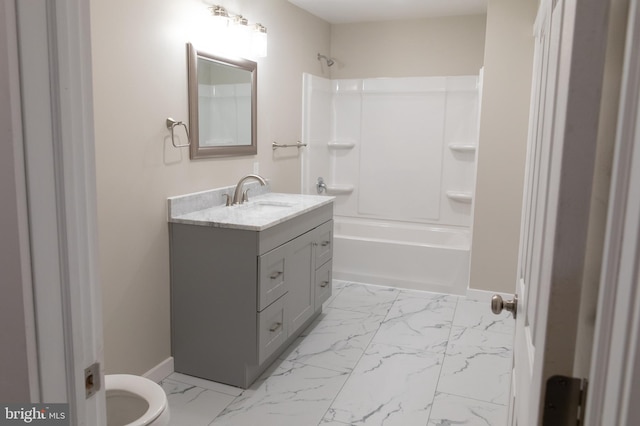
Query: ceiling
x,y
350,11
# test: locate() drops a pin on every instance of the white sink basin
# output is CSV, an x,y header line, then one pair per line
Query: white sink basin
x,y
264,206
270,203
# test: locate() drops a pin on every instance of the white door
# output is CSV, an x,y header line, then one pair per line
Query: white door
x,y
568,69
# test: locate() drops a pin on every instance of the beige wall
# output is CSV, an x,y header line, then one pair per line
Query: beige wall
x,y
421,47
140,79
508,61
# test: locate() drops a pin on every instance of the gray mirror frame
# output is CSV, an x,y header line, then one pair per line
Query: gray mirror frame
x,y
196,151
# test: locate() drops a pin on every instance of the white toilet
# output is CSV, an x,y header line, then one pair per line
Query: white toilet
x,y
135,401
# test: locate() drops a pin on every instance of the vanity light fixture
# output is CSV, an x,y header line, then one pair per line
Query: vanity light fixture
x,y
259,41
246,38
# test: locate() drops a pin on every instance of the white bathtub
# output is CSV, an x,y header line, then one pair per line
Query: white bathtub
x,y
401,255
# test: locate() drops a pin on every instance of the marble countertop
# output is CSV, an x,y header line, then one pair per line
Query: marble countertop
x,y
262,211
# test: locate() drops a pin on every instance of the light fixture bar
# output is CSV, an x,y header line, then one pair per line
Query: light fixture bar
x,y
220,11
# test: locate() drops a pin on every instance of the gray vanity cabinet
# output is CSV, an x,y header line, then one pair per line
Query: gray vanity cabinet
x,y
239,297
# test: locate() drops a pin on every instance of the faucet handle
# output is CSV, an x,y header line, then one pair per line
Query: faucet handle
x,y
321,186
228,202
245,197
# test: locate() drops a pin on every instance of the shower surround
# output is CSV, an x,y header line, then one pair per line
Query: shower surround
x,y
399,154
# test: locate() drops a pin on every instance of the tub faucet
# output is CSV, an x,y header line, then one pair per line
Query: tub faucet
x,y
238,196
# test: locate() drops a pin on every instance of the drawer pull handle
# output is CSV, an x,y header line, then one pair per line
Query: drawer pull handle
x,y
275,275
275,327
325,243
323,284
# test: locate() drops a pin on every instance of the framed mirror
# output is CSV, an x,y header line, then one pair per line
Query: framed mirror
x,y
222,105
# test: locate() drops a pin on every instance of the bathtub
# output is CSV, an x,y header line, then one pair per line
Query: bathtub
x,y
403,255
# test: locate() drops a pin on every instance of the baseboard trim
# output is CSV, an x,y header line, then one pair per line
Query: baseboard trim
x,y
485,296
160,371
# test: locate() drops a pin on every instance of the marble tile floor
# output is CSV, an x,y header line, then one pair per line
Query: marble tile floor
x,y
375,356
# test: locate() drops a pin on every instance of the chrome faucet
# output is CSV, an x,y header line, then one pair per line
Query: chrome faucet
x,y
321,186
240,197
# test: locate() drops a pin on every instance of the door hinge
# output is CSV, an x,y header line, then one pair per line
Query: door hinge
x,y
564,401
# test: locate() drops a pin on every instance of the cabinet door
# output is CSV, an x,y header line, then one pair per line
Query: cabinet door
x,y
272,329
299,274
324,243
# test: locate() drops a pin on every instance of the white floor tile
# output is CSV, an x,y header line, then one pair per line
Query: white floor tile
x,y
206,384
418,294
389,386
192,405
376,356
336,340
340,284
287,394
477,365
450,410
365,298
478,315
418,320
337,286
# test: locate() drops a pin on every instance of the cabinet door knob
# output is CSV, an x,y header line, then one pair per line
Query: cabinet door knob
x,y
275,275
323,284
325,243
275,327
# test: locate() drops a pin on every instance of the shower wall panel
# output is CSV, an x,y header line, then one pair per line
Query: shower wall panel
x,y
398,149
401,152
346,132
459,166
317,126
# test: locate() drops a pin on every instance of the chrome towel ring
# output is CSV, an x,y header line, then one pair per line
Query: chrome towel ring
x,y
171,124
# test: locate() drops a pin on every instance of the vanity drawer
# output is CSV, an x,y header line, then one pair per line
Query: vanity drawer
x,y
271,277
324,243
272,329
323,284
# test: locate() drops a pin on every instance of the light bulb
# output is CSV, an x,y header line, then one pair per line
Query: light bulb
x,y
241,36
259,41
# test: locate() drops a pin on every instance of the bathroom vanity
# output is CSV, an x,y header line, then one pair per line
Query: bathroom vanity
x,y
245,279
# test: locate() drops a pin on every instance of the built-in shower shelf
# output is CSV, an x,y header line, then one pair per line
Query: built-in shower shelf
x,y
339,189
341,145
462,147
460,196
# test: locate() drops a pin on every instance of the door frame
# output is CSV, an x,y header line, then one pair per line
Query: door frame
x,y
614,387
56,109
